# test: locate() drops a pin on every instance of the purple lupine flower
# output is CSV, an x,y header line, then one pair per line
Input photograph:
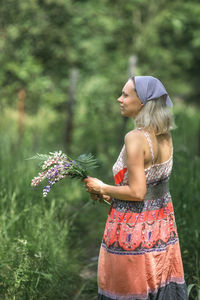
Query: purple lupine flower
x,y
46,190
58,165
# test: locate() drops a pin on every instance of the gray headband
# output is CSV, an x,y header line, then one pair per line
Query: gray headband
x,y
149,88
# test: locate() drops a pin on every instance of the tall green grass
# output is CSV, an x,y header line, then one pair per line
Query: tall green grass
x,y
38,258
35,258
46,244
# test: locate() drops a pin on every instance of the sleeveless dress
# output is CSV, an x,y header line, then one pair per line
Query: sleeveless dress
x,y
140,254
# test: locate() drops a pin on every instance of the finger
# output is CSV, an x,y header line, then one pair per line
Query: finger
x,y
94,196
106,197
86,179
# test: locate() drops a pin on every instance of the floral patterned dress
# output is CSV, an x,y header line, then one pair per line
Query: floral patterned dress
x,y
140,254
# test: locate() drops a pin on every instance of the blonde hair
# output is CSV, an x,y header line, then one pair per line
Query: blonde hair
x,y
155,115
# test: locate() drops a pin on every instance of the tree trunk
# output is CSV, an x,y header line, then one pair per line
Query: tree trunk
x,y
70,108
198,146
21,100
132,70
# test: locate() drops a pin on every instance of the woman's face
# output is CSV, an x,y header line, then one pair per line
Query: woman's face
x,y
130,104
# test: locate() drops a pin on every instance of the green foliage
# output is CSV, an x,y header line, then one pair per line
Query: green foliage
x,y
170,36
44,243
87,162
35,259
40,157
197,287
42,41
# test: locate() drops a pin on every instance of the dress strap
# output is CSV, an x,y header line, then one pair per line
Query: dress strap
x,y
149,141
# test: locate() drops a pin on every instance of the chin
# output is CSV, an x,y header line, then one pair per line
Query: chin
x,y
126,115
123,114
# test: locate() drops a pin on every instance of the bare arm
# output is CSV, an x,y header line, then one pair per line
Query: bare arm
x,y
136,189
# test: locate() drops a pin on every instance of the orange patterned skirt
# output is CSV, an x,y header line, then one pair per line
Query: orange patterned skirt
x,y
140,255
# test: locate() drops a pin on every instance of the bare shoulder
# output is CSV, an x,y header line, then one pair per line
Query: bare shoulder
x,y
135,149
134,145
134,136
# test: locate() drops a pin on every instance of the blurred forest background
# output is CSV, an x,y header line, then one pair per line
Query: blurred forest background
x,y
63,66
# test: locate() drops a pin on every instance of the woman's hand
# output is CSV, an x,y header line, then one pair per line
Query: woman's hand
x,y
98,197
107,198
94,185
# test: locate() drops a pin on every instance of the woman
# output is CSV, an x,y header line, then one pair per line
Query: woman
x,y
140,255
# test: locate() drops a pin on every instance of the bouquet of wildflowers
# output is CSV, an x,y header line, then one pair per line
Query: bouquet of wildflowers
x,y
58,165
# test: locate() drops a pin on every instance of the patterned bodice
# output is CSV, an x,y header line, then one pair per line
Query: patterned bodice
x,y
154,173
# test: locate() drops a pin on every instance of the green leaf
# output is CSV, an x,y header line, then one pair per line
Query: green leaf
x,y
87,161
198,296
190,287
41,157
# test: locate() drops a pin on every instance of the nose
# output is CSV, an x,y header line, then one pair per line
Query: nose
x,y
120,99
